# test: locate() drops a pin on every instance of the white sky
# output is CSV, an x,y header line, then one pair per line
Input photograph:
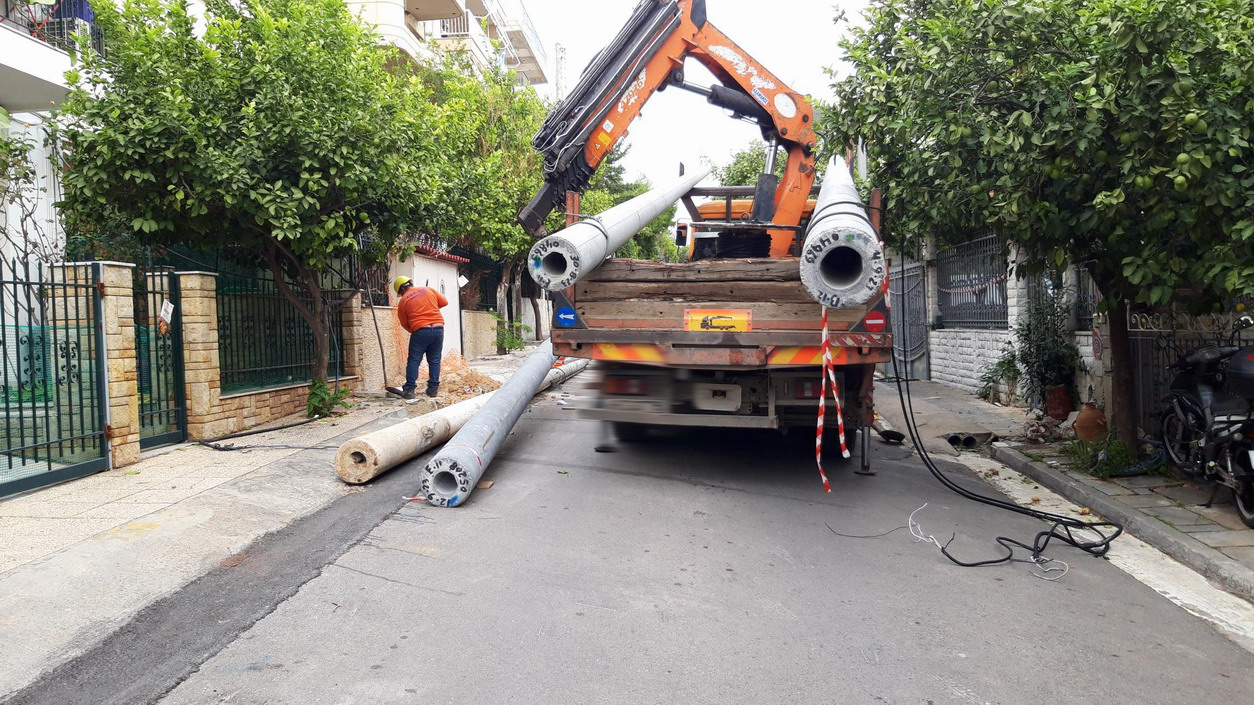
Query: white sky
x,y
796,42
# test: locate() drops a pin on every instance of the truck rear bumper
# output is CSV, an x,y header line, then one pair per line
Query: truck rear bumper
x,y
846,350
656,419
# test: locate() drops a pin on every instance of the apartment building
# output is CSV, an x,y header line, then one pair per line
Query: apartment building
x,y
491,32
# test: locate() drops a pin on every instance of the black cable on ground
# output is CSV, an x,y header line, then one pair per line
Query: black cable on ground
x,y
216,443
1061,530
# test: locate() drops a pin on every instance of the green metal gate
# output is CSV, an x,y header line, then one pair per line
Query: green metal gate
x,y
159,357
53,383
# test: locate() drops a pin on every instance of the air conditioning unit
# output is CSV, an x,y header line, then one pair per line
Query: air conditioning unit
x,y
61,30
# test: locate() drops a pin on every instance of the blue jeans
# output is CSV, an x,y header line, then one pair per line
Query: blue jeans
x,y
429,342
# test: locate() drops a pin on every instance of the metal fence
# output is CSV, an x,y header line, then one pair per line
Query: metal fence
x,y
263,341
484,277
971,283
56,22
159,356
374,282
52,360
1086,299
908,287
1159,340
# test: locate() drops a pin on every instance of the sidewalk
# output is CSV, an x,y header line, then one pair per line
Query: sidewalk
x,y
80,559
1165,512
941,411
1162,511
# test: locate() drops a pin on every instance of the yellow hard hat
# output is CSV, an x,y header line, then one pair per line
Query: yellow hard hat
x,y
399,282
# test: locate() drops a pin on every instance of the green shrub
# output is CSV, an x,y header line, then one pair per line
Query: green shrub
x,y
323,399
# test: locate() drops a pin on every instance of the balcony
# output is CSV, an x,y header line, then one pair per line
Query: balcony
x,y
464,33
424,10
512,26
35,38
394,25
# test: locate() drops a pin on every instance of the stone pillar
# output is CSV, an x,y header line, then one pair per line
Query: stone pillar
x,y
201,376
354,336
118,308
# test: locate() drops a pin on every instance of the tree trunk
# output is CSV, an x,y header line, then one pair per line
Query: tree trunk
x,y
502,310
515,282
535,308
314,313
1123,393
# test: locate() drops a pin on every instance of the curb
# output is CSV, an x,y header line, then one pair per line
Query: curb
x,y
1228,573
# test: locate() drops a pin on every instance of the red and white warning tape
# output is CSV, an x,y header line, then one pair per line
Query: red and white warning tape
x,y
829,376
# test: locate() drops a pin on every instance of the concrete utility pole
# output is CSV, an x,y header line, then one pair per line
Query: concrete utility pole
x,y
452,474
361,460
842,260
568,255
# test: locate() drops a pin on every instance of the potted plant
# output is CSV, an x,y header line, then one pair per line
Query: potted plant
x,y
1048,356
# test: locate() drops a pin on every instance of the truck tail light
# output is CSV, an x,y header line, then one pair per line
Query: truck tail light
x,y
807,389
626,386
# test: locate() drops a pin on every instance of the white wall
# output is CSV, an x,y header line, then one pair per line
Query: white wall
x,y
441,276
388,18
41,234
539,332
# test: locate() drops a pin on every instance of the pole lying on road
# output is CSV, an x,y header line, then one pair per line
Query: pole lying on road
x,y
452,474
360,460
568,255
842,260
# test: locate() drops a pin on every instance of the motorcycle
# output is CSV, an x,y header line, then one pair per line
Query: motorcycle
x,y
1208,426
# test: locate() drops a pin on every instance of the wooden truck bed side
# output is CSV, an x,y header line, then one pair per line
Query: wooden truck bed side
x,y
756,315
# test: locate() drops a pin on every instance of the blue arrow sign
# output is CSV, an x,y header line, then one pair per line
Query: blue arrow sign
x,y
566,317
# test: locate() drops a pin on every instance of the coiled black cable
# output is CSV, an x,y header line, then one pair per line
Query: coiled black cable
x,y
1061,530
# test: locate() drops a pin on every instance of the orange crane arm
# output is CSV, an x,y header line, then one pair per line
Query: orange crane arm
x,y
648,56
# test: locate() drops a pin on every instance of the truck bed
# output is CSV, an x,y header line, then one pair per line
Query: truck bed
x,y
734,313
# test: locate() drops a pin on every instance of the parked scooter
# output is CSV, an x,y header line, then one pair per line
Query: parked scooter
x,y
1208,428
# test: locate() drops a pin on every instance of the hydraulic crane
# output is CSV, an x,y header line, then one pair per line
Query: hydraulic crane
x,y
647,57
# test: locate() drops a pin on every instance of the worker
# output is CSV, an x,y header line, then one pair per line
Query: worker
x,y
419,311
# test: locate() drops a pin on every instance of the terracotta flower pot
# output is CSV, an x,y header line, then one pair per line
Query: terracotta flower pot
x,y
1091,424
1058,403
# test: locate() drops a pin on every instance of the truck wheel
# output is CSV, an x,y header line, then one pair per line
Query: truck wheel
x,y
630,432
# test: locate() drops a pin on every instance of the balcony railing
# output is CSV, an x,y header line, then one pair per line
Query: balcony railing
x,y
53,21
517,19
456,27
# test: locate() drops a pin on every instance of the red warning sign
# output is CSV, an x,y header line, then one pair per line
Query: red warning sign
x,y
875,322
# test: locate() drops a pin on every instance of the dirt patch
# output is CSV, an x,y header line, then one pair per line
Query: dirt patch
x,y
463,384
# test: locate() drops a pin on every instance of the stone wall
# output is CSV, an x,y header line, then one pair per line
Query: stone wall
x,y
959,357
375,372
118,316
478,334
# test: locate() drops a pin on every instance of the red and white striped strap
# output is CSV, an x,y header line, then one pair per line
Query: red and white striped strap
x,y
828,377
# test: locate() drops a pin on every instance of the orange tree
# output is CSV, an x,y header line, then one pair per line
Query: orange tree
x,y
278,134
1114,134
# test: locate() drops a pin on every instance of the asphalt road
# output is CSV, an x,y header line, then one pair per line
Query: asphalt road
x,y
692,569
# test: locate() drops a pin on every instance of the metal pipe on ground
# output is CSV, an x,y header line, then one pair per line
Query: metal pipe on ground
x,y
568,255
842,259
360,460
452,474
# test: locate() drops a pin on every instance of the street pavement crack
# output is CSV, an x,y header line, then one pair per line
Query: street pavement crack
x,y
398,582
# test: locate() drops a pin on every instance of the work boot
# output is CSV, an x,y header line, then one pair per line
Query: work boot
x,y
409,395
433,393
